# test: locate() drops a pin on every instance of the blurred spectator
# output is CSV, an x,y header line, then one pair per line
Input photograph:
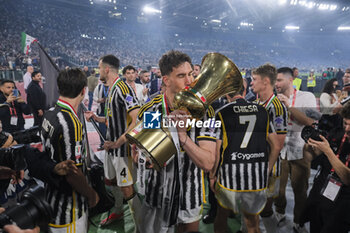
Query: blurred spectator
x,y
27,78
328,99
36,98
156,82
11,112
311,81
100,97
294,164
92,83
196,70
145,80
339,77
86,71
296,80
346,81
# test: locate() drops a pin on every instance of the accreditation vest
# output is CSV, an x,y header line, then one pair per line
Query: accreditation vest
x,y
297,83
311,81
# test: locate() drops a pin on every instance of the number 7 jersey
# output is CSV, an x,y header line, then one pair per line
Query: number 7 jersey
x,y
244,152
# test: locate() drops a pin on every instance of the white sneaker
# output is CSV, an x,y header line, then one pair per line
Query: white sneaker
x,y
280,218
299,229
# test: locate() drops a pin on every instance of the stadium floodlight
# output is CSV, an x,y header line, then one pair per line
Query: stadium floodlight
x,y
310,5
148,9
245,24
289,27
333,7
293,2
343,28
302,3
282,2
216,21
323,7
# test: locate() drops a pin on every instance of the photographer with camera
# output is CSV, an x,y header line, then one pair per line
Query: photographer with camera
x,y
11,166
62,134
12,106
328,203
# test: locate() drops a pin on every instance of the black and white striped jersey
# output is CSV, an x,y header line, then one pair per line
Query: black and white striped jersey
x,y
63,138
101,91
121,100
279,118
191,177
244,158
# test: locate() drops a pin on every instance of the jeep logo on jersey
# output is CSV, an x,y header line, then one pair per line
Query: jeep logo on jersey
x,y
151,120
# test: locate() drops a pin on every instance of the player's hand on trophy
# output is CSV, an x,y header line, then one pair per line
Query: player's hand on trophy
x,y
180,117
134,153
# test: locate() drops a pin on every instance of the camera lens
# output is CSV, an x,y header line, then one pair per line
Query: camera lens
x,y
32,211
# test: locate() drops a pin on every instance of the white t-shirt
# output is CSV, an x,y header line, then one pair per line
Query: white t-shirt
x,y
326,105
139,89
293,145
27,78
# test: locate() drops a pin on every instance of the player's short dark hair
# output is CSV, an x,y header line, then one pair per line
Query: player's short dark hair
x,y
35,73
128,67
200,67
71,82
172,59
294,69
110,60
7,81
347,70
285,70
267,70
345,111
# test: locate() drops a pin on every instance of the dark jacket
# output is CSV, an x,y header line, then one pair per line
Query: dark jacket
x,y
5,114
155,86
36,97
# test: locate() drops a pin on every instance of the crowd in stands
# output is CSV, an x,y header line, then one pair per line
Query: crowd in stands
x,y
80,38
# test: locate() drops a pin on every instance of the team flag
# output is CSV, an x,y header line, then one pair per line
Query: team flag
x,y
27,40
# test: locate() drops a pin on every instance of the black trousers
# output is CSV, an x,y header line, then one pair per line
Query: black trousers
x,y
326,216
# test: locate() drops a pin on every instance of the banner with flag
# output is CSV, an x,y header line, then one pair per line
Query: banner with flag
x,y
27,40
49,71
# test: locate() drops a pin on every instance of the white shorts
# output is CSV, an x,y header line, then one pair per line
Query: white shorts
x,y
119,168
189,216
248,202
79,226
273,186
151,221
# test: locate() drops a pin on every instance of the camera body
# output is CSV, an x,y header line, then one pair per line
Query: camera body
x,y
13,157
323,127
27,136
